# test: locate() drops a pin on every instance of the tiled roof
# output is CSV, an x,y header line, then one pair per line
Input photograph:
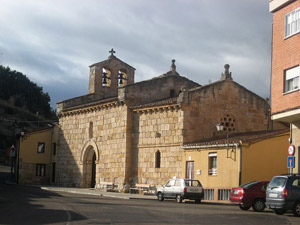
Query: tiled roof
x,y
160,78
168,101
236,138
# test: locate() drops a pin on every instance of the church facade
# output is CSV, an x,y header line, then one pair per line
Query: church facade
x,y
125,132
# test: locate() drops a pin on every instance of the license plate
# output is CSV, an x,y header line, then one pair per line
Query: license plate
x,y
273,195
235,192
195,189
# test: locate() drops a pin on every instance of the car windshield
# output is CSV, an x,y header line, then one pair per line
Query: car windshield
x,y
277,182
192,183
249,185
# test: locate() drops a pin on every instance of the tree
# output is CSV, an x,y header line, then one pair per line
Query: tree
x,y
17,89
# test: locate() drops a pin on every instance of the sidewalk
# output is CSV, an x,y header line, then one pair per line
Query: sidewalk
x,y
97,192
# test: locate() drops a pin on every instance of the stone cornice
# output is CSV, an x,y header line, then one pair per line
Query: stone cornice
x,y
88,109
160,108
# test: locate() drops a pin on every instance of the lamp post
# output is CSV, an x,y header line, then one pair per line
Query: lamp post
x,y
19,136
220,127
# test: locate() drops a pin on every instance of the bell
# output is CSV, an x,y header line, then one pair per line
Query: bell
x,y
104,79
121,78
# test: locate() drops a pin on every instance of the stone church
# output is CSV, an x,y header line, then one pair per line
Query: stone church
x,y
126,132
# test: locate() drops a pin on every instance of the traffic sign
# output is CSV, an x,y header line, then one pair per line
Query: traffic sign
x,y
291,161
291,150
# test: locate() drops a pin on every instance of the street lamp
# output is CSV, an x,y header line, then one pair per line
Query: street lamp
x,y
220,127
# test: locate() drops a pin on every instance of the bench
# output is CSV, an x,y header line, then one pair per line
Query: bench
x,y
145,188
108,186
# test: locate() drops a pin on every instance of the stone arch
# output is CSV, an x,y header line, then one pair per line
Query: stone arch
x,y
86,148
106,77
122,77
89,159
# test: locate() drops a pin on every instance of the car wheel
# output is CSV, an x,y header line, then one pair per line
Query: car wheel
x,y
244,207
178,198
160,197
296,209
259,205
197,201
279,211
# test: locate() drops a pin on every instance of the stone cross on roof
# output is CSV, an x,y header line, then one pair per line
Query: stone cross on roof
x,y
226,75
226,66
173,66
112,53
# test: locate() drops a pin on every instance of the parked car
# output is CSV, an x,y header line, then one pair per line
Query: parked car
x,y
180,189
283,193
249,195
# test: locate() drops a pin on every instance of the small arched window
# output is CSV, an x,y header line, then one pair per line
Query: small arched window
x,y
106,77
157,159
122,78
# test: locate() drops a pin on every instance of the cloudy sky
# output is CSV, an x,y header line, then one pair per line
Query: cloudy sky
x,y
54,42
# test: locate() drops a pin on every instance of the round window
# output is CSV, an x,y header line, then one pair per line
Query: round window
x,y
228,123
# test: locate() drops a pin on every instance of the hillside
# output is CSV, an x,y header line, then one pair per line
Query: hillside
x,y
23,107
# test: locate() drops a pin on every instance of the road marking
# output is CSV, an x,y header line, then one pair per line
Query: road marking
x,y
69,216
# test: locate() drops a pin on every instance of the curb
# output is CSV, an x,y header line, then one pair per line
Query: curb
x,y
121,196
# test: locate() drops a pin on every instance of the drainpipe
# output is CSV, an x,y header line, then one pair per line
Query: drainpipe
x,y
239,147
291,133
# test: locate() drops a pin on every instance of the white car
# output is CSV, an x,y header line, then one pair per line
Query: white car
x,y
180,189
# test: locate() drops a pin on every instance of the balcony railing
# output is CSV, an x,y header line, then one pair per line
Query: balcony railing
x,y
212,171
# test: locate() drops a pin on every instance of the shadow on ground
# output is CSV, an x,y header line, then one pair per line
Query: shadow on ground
x,y
20,204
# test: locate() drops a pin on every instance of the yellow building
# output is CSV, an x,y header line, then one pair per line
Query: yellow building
x,y
222,163
37,156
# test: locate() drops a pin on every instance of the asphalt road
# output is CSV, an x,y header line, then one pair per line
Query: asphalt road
x,y
31,205
20,204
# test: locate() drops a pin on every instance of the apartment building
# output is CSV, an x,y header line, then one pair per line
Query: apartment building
x,y
286,69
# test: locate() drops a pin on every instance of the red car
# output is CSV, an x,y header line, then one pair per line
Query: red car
x,y
252,194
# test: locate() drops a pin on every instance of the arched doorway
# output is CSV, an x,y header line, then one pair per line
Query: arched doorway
x,y
89,160
89,168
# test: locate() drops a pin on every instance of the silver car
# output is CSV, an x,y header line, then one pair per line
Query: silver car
x,y
180,189
283,194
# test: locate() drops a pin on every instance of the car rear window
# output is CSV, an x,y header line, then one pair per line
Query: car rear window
x,y
192,183
277,182
249,185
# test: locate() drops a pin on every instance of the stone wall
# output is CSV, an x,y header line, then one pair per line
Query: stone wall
x,y
155,89
109,138
223,102
27,174
158,129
